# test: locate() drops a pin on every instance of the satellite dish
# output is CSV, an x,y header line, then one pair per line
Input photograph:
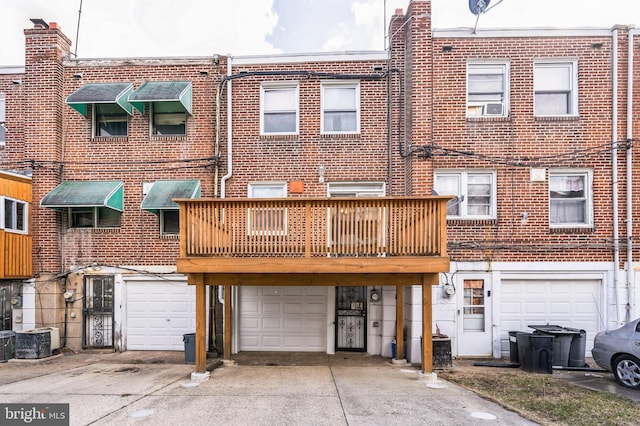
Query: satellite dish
x,y
478,6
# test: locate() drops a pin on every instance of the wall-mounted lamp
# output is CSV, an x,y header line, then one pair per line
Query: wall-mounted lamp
x,y
216,58
77,75
447,48
321,174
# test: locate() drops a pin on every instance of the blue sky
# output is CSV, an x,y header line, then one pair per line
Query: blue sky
x,y
152,28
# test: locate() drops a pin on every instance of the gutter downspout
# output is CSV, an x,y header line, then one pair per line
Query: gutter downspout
x,y
614,170
223,181
630,269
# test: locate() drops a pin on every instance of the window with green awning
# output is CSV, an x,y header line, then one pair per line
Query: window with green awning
x,y
170,104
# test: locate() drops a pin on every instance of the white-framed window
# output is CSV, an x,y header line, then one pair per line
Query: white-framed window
x,y
570,198
14,215
487,89
169,222
279,108
267,220
94,217
109,120
555,85
167,119
356,189
474,192
340,105
3,115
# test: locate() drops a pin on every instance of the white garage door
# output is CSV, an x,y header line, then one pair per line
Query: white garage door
x,y
282,319
573,304
158,314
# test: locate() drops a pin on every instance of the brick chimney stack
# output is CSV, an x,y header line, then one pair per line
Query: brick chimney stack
x,y
45,49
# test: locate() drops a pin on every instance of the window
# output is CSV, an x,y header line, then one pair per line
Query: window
x,y
110,120
556,88
570,198
168,119
474,306
3,113
14,215
279,104
475,193
94,217
263,220
487,89
340,107
170,222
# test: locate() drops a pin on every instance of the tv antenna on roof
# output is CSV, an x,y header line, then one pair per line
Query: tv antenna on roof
x,y
478,7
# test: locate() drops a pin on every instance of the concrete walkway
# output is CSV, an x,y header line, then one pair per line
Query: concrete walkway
x,y
156,388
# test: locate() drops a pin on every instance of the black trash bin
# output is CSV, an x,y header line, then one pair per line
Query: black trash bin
x,y
576,353
189,340
513,347
535,352
562,344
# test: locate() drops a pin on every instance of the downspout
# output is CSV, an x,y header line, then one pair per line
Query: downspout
x,y
223,181
630,277
614,170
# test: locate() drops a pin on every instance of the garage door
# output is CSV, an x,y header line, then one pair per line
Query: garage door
x,y
572,304
158,314
282,319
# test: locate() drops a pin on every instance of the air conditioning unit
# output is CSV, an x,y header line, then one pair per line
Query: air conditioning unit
x,y
55,336
7,345
493,109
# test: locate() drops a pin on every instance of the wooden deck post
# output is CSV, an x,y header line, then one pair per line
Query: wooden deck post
x,y
227,322
201,324
399,322
428,280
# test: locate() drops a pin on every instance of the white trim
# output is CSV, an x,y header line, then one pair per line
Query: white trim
x,y
332,84
288,85
574,110
463,190
25,216
494,67
588,197
522,32
311,57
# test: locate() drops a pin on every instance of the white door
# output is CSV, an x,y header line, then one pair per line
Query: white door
x,y
568,303
282,319
158,314
474,315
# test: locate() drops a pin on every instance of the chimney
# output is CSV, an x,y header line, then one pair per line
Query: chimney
x,y
39,24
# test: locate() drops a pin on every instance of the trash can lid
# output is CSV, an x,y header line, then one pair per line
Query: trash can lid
x,y
555,329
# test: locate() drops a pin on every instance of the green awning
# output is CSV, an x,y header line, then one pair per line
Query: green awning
x,y
101,93
162,192
176,93
84,193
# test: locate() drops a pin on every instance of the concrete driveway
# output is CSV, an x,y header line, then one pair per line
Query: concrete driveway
x,y
156,388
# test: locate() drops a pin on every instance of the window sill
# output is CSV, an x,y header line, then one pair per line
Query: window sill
x,y
340,135
557,118
471,222
110,138
155,138
93,230
573,230
288,137
171,237
501,118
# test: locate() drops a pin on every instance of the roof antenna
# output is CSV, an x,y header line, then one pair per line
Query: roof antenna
x,y
75,50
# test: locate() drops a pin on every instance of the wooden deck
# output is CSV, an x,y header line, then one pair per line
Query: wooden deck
x,y
397,241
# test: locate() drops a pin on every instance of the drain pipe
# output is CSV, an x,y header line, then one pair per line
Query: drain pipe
x,y
630,277
614,170
223,181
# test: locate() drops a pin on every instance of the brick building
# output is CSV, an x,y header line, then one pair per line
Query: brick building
x,y
531,130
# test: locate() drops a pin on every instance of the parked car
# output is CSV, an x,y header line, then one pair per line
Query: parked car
x,y
618,351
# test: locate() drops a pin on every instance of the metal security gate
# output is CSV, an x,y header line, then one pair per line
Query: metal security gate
x,y
98,312
351,319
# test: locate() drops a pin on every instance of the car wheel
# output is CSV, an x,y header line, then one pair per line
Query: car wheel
x,y
626,369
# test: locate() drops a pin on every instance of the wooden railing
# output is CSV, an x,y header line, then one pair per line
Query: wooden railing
x,y
16,255
313,227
